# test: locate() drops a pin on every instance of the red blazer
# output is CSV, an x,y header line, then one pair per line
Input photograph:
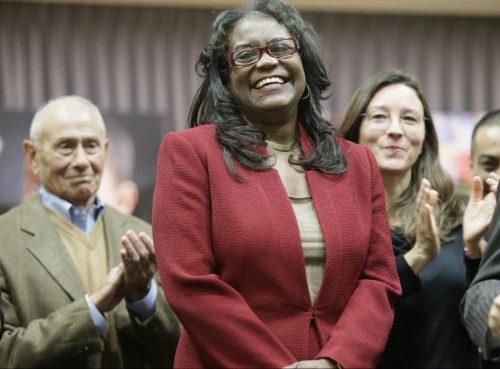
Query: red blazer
x,y
232,266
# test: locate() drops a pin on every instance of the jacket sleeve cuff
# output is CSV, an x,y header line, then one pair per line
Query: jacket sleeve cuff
x,y
145,307
100,322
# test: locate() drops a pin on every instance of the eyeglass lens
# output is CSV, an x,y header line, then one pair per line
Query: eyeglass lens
x,y
277,49
384,119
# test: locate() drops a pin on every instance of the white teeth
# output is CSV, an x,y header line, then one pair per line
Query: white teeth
x,y
269,80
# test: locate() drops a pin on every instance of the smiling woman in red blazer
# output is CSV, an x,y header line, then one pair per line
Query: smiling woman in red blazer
x,y
270,232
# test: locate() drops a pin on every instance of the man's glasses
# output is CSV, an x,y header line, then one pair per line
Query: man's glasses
x,y
280,49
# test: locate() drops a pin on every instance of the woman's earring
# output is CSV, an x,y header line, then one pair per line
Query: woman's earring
x,y
307,95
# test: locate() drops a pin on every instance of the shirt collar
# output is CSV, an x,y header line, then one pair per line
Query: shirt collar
x,y
65,208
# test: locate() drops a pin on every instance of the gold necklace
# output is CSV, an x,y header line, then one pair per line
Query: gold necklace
x,y
282,147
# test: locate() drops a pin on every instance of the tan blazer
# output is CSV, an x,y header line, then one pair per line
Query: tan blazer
x,y
48,323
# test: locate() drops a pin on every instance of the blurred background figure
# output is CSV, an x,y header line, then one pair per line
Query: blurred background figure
x,y
480,306
481,313
485,147
118,188
485,168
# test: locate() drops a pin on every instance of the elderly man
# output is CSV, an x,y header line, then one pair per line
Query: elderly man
x,y
78,278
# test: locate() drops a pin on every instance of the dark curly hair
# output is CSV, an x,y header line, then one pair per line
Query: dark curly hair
x,y
213,102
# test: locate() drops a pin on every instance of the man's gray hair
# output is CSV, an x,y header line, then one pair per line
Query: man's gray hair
x,y
39,118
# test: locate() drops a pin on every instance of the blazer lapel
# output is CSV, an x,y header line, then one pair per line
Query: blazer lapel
x,y
115,227
330,219
48,248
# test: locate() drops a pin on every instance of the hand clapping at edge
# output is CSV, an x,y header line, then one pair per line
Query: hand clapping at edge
x,y
478,214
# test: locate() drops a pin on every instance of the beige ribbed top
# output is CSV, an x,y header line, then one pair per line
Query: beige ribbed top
x,y
313,243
